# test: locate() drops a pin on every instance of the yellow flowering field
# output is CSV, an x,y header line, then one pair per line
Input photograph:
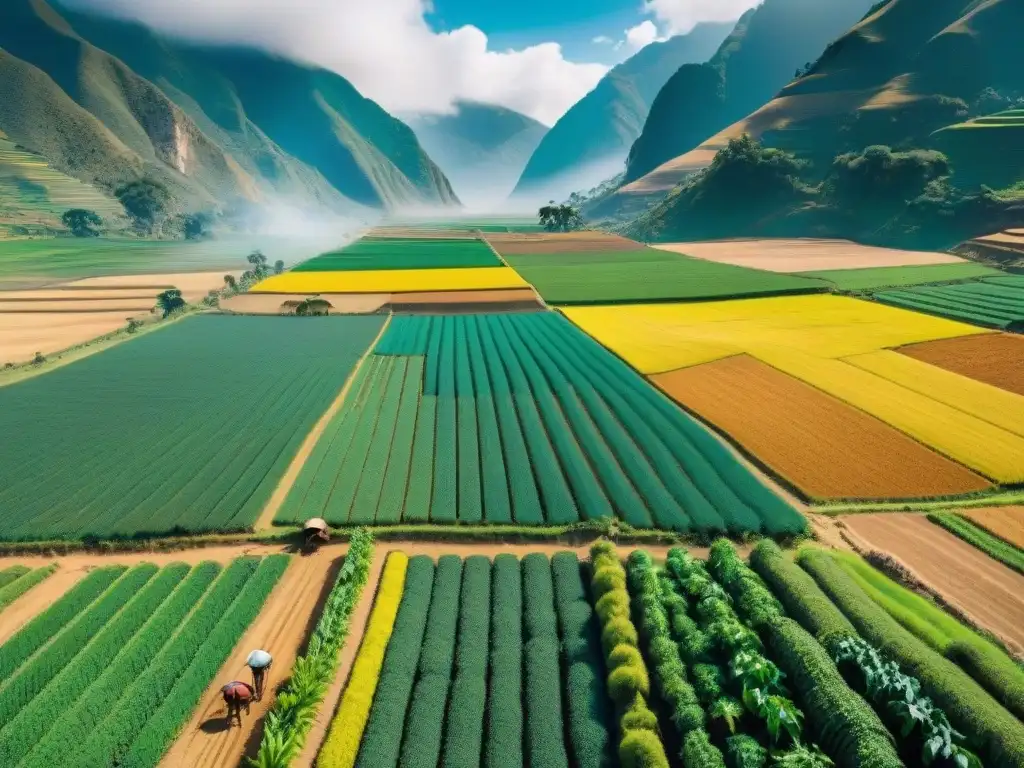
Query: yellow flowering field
x,y
393,281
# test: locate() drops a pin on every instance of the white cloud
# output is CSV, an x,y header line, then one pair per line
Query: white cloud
x,y
602,40
385,47
643,34
680,16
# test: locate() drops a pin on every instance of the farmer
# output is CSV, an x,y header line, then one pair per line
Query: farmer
x,y
259,662
237,695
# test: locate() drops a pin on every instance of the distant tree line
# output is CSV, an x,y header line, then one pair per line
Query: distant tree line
x,y
560,218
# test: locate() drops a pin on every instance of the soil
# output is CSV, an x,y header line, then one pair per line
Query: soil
x,y
193,285
1005,522
49,306
270,304
996,359
568,242
988,592
1011,238
22,335
804,255
282,627
266,518
824,447
441,302
41,596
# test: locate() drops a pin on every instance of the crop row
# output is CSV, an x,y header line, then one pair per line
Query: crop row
x,y
993,546
188,429
381,253
17,580
521,418
995,302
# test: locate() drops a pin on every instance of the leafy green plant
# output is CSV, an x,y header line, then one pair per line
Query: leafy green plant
x,y
802,756
728,711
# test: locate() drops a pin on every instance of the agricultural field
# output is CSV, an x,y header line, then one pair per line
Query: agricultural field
x,y
646,274
551,243
851,456
996,359
186,429
993,302
393,281
999,547
1005,522
16,580
893,277
403,253
837,345
520,418
115,665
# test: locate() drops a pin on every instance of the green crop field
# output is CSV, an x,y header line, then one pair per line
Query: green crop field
x,y
995,302
116,665
403,253
648,275
893,277
19,579
185,429
524,418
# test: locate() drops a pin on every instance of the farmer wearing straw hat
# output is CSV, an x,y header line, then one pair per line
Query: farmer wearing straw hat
x,y
259,662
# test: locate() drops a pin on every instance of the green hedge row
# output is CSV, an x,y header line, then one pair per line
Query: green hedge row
x,y
587,703
74,725
291,716
464,732
56,690
17,580
628,683
969,707
425,724
176,707
111,738
47,624
545,736
503,747
382,739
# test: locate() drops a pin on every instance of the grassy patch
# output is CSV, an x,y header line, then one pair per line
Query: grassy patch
x,y
403,253
891,277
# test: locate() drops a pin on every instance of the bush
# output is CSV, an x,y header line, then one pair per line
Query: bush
x,y
754,602
708,682
613,605
840,720
503,744
641,749
699,752
742,751
970,709
625,682
993,669
606,580
624,656
639,717
618,631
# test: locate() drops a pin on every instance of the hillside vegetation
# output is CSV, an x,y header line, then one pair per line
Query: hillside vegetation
x,y
109,102
599,129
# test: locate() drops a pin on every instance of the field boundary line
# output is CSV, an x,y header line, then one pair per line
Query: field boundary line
x,y
536,293
265,520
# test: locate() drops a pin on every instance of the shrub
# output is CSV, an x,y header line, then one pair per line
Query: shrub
x,y
642,749
699,752
624,655
613,605
607,579
618,631
754,602
970,709
993,669
503,745
625,682
707,682
639,717
743,751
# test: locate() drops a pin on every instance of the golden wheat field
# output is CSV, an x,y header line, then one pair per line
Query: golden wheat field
x,y
393,281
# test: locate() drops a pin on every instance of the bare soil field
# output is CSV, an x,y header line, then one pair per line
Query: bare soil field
x,y
24,334
824,447
560,242
270,303
804,255
193,285
282,627
987,591
77,305
1011,238
996,359
1005,522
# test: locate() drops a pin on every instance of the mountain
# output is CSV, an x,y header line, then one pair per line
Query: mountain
x,y
767,46
482,148
591,140
107,101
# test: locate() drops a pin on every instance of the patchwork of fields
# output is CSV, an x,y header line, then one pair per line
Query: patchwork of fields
x,y
520,418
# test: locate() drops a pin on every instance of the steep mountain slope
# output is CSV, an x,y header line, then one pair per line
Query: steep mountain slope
x,y
107,101
592,138
907,70
482,148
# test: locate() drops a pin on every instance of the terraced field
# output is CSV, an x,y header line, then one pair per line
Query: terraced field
x,y
186,429
502,418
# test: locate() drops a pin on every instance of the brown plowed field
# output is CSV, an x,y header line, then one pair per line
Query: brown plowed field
x,y
560,242
281,627
804,255
996,359
193,285
987,591
270,303
822,446
1005,522
24,334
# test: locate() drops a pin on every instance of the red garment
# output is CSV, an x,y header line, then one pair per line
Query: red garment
x,y
239,691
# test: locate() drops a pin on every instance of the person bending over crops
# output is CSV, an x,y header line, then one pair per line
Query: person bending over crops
x,y
259,662
237,695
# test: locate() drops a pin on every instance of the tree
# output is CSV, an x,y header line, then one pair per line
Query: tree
x,y
82,222
170,300
230,283
879,179
560,218
278,267
145,201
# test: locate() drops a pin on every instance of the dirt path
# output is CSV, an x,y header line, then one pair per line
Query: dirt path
x,y
266,519
357,626
281,627
39,598
987,591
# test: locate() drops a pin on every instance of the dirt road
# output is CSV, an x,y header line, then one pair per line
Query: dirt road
x,y
984,589
40,597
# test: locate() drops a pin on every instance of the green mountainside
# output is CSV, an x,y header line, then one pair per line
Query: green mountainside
x,y
107,102
767,46
599,129
482,148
